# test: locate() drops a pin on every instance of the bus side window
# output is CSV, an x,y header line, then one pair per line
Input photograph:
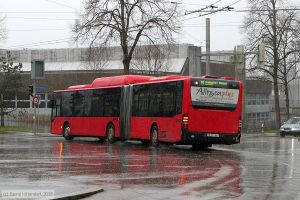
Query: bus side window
x,y
155,100
77,105
135,101
140,101
169,99
179,92
111,99
57,110
67,104
98,103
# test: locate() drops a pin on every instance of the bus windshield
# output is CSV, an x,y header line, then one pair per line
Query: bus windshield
x,y
214,93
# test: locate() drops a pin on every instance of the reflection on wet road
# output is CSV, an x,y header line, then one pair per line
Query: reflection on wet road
x,y
258,168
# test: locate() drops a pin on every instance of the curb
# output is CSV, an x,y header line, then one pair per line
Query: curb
x,y
75,196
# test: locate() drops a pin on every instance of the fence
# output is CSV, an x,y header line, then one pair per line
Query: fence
x,y
24,117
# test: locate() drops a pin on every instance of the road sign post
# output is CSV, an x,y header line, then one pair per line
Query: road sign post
x,y
37,72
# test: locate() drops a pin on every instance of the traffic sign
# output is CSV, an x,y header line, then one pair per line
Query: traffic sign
x,y
41,88
37,69
35,101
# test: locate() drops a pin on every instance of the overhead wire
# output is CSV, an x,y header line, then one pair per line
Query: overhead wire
x,y
206,7
48,42
226,8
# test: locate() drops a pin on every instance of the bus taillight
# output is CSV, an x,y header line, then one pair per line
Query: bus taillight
x,y
240,124
185,120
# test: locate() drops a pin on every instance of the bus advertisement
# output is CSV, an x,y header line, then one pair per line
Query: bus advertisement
x,y
197,111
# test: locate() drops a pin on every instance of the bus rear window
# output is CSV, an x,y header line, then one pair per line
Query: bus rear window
x,y
214,93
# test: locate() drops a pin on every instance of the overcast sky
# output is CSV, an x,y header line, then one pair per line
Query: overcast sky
x,y
47,23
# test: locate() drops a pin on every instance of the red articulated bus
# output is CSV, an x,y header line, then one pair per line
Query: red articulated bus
x,y
198,111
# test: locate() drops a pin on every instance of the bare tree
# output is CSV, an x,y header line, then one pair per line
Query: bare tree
x,y
152,59
290,58
265,23
128,23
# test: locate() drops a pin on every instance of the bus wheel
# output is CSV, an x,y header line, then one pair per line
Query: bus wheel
x,y
66,132
282,134
110,134
154,137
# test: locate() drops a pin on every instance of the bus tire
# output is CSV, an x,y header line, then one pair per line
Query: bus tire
x,y
154,136
67,132
110,134
282,134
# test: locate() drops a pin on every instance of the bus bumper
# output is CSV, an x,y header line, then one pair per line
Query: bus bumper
x,y
188,137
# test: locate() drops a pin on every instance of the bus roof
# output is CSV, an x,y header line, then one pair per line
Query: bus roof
x,y
79,87
115,81
119,80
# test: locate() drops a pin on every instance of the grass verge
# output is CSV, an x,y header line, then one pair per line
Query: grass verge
x,y
15,129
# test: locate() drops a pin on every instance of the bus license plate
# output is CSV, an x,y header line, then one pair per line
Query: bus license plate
x,y
212,135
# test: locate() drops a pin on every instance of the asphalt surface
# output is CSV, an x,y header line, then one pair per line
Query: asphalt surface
x,y
259,167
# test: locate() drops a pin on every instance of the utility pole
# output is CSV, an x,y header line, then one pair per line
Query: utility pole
x,y
37,72
207,46
240,74
34,107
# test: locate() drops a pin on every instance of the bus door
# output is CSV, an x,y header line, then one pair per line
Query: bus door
x,y
125,111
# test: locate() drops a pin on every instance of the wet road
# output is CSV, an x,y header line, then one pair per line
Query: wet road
x,y
258,168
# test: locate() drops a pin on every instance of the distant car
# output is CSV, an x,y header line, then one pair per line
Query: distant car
x,y
291,127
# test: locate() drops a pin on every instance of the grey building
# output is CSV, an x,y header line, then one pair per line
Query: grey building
x,y
178,59
259,107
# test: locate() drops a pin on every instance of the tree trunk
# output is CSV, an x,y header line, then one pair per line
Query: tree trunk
x,y
286,88
277,107
287,99
126,64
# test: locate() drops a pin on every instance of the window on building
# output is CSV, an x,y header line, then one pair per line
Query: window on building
x,y
258,118
257,99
